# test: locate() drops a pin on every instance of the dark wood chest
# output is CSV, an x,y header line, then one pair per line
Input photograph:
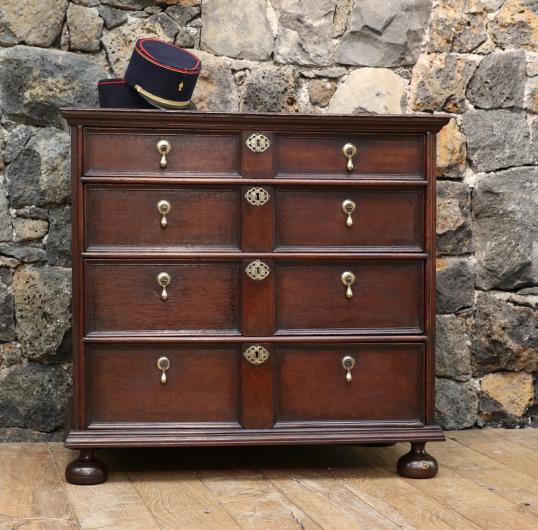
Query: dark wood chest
x,y
252,279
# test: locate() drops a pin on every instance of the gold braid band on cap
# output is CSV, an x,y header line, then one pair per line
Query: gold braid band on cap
x,y
152,98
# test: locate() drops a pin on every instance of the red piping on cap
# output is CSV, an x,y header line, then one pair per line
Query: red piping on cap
x,y
144,53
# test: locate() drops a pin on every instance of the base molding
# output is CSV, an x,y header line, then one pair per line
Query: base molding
x,y
144,437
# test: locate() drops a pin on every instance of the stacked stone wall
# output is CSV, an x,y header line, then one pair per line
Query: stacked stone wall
x,y
475,59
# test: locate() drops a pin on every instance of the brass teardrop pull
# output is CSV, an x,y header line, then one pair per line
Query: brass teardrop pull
x,y
163,363
347,364
349,151
164,279
348,207
164,207
163,148
348,279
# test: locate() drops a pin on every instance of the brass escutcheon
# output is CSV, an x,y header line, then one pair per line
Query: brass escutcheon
x,y
163,363
164,279
256,354
258,142
348,207
163,147
347,364
349,151
348,279
257,196
257,270
164,207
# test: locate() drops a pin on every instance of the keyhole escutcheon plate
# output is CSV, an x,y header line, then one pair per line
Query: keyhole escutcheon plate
x,y
257,270
258,142
256,354
257,196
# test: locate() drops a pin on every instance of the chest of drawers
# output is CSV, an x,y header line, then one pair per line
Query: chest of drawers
x,y
252,279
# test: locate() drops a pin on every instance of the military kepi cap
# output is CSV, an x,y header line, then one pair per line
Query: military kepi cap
x,y
117,93
163,74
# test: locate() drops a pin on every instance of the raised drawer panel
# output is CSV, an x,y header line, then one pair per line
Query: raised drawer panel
x,y
134,153
128,217
386,382
202,384
380,156
202,297
387,297
382,219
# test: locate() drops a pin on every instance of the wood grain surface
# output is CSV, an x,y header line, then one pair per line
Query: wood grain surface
x,y
481,484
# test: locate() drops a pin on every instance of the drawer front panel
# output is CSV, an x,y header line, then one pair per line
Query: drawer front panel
x,y
387,297
125,297
202,384
378,219
123,216
135,153
322,156
386,382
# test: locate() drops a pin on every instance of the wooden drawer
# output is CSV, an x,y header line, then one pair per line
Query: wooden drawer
x,y
382,218
387,297
202,384
128,217
203,297
134,153
378,156
387,382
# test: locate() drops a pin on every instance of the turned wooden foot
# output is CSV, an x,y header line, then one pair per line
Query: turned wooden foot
x,y
86,470
417,463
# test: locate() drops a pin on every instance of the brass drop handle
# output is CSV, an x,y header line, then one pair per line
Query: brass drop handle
x,y
164,207
348,363
164,279
349,151
163,148
348,207
163,363
348,279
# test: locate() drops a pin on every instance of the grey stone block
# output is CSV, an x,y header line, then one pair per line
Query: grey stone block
x,y
498,139
504,336
505,208
455,284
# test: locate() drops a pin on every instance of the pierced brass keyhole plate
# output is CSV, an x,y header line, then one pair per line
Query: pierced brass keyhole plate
x,y
256,354
258,142
257,196
257,270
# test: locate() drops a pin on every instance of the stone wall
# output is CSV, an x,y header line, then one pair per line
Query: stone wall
x,y
476,59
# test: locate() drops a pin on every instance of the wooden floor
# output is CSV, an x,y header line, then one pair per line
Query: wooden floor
x,y
488,479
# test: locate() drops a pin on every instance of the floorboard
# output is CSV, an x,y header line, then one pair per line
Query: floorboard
x,y
487,480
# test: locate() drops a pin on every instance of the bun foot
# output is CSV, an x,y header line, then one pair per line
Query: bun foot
x,y
86,470
417,463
